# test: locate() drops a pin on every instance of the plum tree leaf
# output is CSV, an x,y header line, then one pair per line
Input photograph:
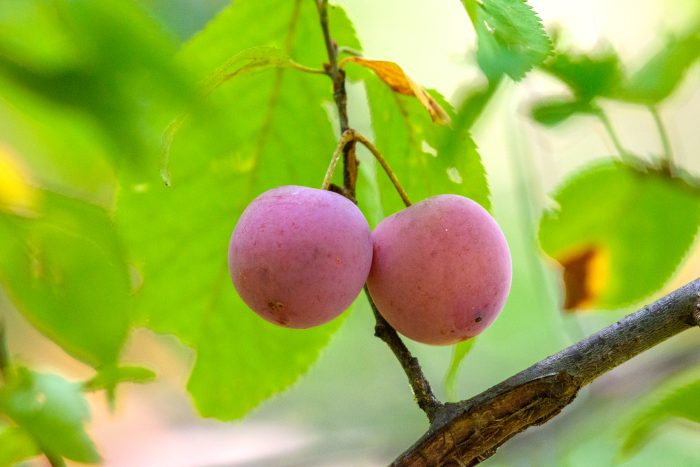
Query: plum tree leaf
x,y
677,399
63,269
511,38
605,216
15,446
258,131
664,71
107,61
551,112
52,411
459,353
588,75
428,159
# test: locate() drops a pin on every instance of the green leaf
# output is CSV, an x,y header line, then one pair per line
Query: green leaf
x,y
428,159
109,377
15,446
612,220
64,271
52,411
551,112
674,400
107,61
459,353
587,75
664,71
511,39
258,131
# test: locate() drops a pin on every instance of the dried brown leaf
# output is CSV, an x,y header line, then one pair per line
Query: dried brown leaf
x,y
397,79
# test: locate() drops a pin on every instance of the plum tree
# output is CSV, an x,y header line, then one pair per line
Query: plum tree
x,y
441,270
299,256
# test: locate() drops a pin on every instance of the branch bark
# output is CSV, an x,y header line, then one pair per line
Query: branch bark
x,y
470,431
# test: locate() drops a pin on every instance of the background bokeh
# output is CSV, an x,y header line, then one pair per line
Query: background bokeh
x,y
354,408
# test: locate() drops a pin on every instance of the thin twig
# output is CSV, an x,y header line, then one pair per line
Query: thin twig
x,y
347,137
607,124
385,165
663,134
341,100
422,391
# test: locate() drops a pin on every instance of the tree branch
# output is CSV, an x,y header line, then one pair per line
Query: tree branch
x,y
467,432
341,101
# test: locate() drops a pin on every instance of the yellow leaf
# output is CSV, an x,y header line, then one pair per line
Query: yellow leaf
x,y
397,79
17,195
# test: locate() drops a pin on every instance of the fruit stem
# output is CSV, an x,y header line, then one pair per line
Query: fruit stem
x,y
422,391
347,137
385,165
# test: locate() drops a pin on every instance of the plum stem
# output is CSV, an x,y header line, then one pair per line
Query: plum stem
x,y
385,165
347,137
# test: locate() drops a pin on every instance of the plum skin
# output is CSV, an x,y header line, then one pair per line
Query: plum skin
x,y
299,256
441,270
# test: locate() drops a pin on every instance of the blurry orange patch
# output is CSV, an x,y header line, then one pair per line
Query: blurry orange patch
x,y
17,195
586,273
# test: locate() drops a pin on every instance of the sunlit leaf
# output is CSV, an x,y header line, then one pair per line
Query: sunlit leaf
x,y
459,353
588,75
511,39
613,220
52,411
258,131
17,195
428,159
664,71
64,271
15,446
107,61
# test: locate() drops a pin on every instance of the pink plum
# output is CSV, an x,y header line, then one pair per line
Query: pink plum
x,y
441,270
299,256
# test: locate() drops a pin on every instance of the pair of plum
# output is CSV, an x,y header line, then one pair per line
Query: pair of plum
x,y
438,271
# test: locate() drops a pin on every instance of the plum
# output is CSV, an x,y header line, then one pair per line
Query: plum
x,y
299,256
441,270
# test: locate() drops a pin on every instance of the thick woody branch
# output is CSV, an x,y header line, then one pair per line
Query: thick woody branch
x,y
470,431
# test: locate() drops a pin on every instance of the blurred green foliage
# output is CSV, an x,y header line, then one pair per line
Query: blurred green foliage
x,y
93,243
